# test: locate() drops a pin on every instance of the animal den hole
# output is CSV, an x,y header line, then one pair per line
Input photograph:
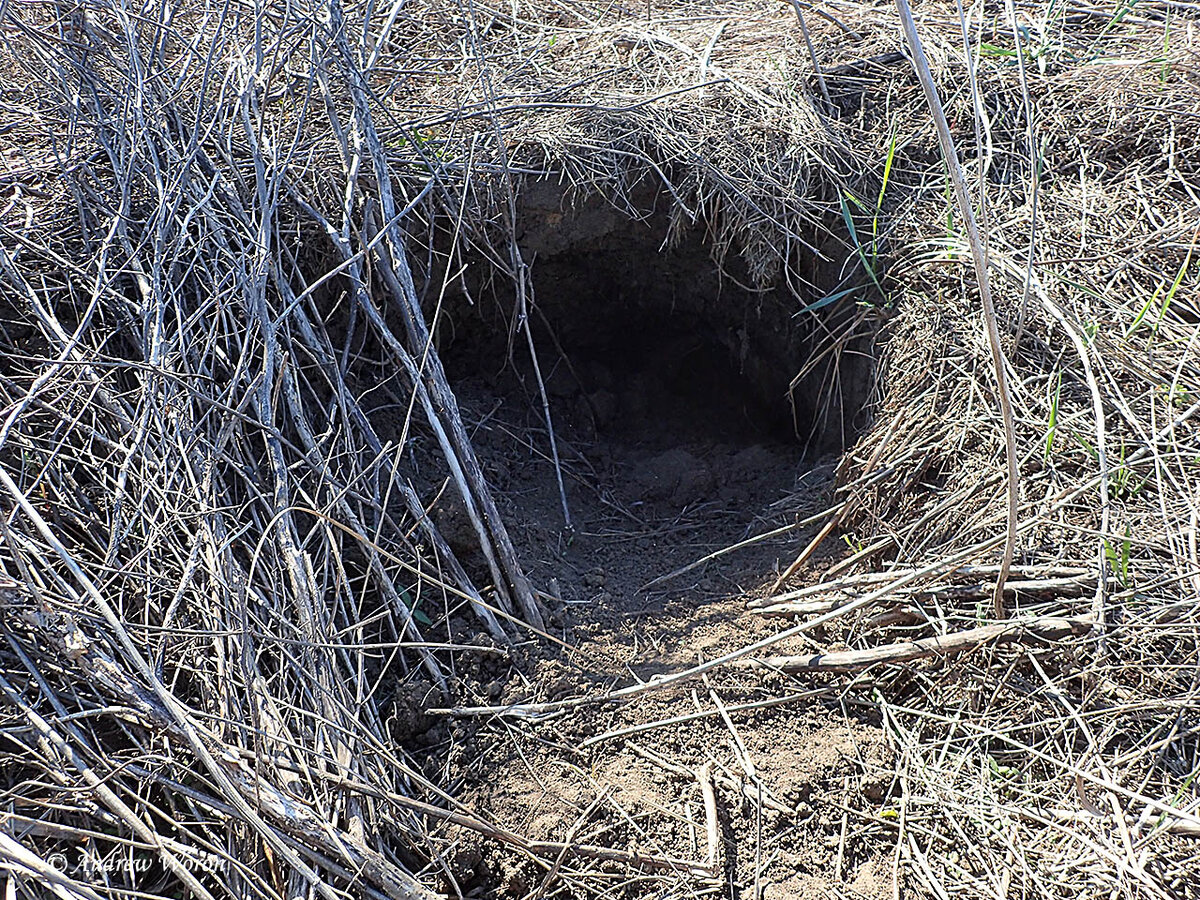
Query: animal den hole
x,y
661,406
672,391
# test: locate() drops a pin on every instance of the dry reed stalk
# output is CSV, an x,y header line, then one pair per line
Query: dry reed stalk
x,y
979,254
1034,630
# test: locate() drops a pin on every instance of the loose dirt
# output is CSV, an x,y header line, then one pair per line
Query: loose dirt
x,y
662,464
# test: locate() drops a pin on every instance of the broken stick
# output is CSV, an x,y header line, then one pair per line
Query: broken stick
x,y
1046,628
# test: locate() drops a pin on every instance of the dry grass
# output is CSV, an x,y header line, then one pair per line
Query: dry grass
x,y
218,567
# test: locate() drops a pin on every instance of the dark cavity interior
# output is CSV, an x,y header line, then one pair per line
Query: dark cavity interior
x,y
672,385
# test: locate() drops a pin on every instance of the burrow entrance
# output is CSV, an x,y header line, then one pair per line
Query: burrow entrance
x,y
673,386
682,429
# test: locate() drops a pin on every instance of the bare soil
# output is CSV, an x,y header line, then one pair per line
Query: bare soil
x,y
663,463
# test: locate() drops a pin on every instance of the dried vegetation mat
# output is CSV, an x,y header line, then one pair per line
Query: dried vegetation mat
x,y
228,617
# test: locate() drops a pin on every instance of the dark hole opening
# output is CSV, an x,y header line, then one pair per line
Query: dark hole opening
x,y
661,381
647,347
